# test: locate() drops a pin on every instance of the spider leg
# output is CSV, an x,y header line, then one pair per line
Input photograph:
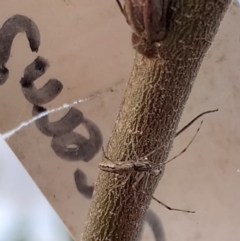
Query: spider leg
x,y
138,179
141,175
169,208
150,153
121,7
180,131
106,157
185,149
145,185
134,150
192,121
123,182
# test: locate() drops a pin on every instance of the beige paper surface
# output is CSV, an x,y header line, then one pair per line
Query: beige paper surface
x,y
87,47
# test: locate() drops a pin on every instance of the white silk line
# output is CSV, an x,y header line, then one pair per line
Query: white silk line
x,y
10,133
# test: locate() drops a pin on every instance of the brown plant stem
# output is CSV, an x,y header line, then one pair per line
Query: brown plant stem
x,y
149,115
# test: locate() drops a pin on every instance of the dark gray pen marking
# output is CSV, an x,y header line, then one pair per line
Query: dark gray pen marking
x,y
14,25
45,94
34,71
61,130
156,225
66,124
81,184
73,146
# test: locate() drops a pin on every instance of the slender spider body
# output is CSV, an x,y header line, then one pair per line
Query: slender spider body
x,y
142,164
130,166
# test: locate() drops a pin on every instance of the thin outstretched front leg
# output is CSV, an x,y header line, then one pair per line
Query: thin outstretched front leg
x,y
172,209
121,8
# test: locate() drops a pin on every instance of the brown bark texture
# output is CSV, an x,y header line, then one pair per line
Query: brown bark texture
x,y
153,103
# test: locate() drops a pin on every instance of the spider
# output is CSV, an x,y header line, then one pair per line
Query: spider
x,y
143,166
